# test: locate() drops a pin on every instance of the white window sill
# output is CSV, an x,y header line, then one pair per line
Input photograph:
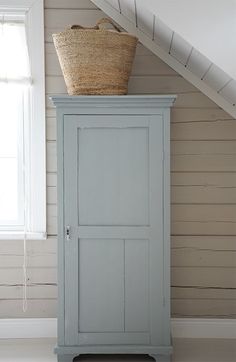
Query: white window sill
x,y
18,235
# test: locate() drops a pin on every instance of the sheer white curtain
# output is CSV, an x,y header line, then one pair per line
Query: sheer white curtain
x,y
14,58
15,80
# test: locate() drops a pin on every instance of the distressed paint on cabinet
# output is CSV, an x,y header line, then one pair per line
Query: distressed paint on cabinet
x,y
113,196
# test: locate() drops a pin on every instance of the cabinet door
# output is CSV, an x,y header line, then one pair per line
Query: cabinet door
x,y
113,201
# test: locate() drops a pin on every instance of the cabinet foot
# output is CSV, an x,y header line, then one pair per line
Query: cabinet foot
x,y
161,357
66,357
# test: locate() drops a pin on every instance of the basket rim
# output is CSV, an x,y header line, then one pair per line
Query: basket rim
x,y
113,32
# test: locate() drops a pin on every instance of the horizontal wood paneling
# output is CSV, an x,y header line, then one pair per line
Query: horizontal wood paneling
x,y
201,163
191,257
218,179
219,243
203,277
208,130
203,308
148,84
33,291
190,115
37,308
203,195
204,213
203,228
203,147
203,178
39,276
66,17
203,293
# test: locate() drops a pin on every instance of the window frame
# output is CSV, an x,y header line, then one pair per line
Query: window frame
x,y
36,164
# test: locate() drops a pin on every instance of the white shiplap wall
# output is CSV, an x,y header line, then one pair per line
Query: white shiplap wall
x,y
203,152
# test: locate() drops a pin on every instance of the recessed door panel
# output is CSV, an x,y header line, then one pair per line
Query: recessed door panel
x,y
101,285
136,285
113,176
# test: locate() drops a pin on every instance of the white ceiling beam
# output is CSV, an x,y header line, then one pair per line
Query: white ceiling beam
x,y
129,26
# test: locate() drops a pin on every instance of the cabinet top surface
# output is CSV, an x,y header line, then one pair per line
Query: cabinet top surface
x,y
139,101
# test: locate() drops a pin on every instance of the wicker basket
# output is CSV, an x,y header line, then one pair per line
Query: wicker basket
x,y
95,60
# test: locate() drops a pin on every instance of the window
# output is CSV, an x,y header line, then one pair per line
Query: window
x,y
22,120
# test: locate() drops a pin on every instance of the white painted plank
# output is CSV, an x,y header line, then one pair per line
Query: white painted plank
x,y
145,19
198,63
203,308
51,179
194,100
203,147
224,180
229,92
33,261
220,130
51,129
37,308
190,257
15,247
51,195
159,85
114,3
137,84
203,228
204,242
203,293
33,292
13,276
51,157
204,277
216,78
203,195
127,9
180,49
62,18
162,35
198,114
52,219
201,163
204,213
51,112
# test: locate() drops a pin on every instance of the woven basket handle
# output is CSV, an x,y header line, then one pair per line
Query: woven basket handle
x,y
76,27
100,24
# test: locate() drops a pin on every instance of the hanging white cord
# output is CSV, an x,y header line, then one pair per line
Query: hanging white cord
x,y
24,300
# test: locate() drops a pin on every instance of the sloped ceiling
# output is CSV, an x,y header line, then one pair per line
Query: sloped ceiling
x,y
133,16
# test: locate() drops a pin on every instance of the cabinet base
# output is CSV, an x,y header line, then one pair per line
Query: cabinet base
x,y
66,357
161,358
70,357
68,353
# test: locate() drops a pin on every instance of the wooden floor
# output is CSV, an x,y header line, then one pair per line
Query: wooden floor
x,y
185,350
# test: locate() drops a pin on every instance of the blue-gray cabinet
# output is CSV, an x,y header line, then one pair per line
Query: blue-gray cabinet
x,y
113,225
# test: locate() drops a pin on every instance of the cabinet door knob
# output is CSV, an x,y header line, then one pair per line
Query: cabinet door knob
x,y
67,232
